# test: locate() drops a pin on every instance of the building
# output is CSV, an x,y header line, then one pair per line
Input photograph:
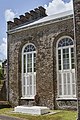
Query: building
x,y
76,4
41,60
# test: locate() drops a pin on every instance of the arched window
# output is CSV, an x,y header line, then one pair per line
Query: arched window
x,y
66,68
28,71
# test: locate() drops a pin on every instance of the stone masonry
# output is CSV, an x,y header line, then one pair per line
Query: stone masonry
x,y
77,44
44,36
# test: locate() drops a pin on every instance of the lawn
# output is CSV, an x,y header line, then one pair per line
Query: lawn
x,y
59,115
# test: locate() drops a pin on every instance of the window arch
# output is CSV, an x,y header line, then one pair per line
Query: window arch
x,y
28,71
66,68
29,48
65,42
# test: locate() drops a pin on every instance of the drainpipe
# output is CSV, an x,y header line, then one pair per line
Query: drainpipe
x,y
7,66
53,75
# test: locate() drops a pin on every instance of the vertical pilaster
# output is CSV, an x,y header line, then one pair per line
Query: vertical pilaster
x,y
76,4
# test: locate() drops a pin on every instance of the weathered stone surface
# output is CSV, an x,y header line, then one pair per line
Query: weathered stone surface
x,y
77,42
34,110
66,104
31,16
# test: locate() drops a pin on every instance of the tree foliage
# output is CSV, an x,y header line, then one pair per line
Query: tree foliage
x,y
1,74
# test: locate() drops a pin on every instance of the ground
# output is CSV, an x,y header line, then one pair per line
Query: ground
x,y
59,115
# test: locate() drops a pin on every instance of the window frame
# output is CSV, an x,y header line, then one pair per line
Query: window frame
x,y
57,66
27,53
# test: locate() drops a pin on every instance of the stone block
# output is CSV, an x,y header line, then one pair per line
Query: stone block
x,y
34,110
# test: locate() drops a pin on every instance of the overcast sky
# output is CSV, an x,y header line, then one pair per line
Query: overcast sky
x,y
13,8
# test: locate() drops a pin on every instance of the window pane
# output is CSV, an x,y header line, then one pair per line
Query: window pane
x,y
28,90
65,61
34,69
60,89
73,66
30,69
29,48
28,80
27,69
72,55
65,83
60,84
34,62
59,67
66,58
24,90
29,62
65,42
68,84
59,52
68,78
72,58
74,89
59,59
65,90
35,55
24,81
73,84
24,63
69,90
72,50
66,50
73,77
59,62
64,78
60,79
34,79
34,91
65,66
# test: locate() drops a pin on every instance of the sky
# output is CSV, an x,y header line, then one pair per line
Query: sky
x,y
10,9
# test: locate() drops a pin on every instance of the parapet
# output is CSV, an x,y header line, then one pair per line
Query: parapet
x,y
29,17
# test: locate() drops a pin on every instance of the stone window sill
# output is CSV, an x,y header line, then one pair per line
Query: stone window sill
x,y
31,97
66,98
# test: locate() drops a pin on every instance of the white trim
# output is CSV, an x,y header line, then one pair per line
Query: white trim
x,y
74,98
64,71
66,36
26,74
30,97
27,45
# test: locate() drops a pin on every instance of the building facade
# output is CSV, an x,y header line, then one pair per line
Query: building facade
x,y
41,60
76,4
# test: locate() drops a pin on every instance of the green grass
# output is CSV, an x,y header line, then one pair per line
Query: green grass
x,y
60,115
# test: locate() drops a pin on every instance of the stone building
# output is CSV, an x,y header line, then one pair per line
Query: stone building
x,y
41,60
76,4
